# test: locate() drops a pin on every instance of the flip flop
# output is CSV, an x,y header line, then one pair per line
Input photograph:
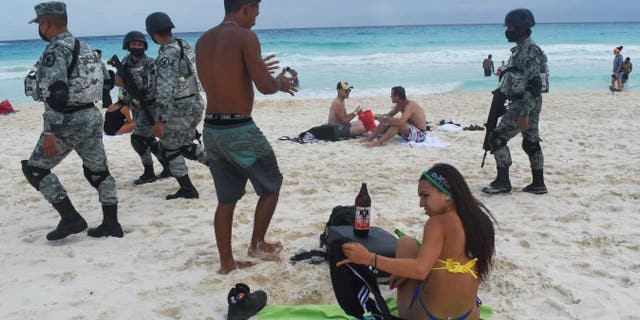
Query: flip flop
x,y
312,257
244,304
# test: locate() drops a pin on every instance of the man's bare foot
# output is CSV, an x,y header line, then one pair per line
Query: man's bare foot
x,y
233,265
266,251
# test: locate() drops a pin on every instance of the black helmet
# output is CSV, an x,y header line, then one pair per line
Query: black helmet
x,y
157,22
520,18
134,36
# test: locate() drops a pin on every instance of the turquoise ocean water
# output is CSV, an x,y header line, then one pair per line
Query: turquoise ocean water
x,y
423,59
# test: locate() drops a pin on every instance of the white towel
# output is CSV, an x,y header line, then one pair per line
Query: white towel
x,y
429,141
448,127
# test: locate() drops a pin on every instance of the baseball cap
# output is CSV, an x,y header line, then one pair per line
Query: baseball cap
x,y
49,8
343,85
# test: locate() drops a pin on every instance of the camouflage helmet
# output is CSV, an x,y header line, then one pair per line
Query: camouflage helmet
x,y
157,22
519,18
134,36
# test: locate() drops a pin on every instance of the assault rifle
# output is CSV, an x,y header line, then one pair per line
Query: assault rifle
x,y
498,109
130,85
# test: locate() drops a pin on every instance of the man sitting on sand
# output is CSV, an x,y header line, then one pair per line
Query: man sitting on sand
x,y
412,125
339,117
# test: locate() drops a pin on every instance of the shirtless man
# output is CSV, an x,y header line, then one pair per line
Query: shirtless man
x,y
338,115
229,62
412,125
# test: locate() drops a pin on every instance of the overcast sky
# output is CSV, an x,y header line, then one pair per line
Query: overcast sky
x,y
115,17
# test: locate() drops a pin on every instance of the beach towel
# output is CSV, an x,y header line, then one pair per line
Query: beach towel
x,y
321,312
429,141
448,127
6,108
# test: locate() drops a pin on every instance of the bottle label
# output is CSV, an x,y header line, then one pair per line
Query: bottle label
x,y
362,218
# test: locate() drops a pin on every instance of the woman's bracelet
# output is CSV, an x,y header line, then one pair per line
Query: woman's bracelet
x,y
374,260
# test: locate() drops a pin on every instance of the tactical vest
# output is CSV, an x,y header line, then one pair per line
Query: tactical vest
x,y
86,79
188,83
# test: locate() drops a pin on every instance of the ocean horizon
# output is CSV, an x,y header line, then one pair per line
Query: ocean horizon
x,y
425,59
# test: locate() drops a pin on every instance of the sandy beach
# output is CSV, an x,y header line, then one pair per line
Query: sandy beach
x,y
571,254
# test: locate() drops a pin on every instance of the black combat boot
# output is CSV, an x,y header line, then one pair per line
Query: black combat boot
x,y
71,222
110,226
501,184
537,186
166,172
187,190
147,176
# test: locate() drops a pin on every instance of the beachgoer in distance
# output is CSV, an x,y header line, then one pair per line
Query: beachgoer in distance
x,y
117,120
487,65
525,66
338,115
71,123
412,125
141,70
229,62
618,72
444,274
627,67
500,70
178,102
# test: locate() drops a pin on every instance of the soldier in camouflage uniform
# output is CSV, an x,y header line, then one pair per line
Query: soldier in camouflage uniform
x,y
141,70
180,105
523,81
68,79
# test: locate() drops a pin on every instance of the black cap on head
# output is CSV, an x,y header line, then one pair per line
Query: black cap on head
x,y
158,21
134,36
519,18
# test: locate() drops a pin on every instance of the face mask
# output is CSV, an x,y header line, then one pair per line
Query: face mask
x,y
512,35
42,35
137,52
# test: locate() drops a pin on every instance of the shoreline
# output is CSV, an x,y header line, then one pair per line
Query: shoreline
x,y
570,254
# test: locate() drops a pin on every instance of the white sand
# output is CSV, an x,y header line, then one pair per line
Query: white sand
x,y
571,254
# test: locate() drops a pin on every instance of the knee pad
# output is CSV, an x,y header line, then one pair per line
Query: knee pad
x,y
95,178
530,147
34,175
140,144
189,151
170,154
496,142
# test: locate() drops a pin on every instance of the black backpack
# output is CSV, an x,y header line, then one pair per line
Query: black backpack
x,y
355,286
340,216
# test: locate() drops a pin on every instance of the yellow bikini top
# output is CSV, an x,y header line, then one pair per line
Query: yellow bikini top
x,y
456,267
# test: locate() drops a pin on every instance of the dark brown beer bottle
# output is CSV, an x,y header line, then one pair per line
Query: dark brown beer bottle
x,y
363,212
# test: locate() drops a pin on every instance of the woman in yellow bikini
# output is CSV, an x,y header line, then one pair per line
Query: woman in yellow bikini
x,y
440,279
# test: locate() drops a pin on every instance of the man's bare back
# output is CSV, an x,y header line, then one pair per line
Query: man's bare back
x,y
417,118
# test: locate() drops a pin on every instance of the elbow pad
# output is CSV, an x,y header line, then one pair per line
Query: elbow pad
x,y
58,96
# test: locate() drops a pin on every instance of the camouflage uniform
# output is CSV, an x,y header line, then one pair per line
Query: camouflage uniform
x,y
69,87
143,73
529,58
180,105
75,130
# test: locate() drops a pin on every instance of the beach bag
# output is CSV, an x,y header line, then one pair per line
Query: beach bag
x,y
5,107
355,287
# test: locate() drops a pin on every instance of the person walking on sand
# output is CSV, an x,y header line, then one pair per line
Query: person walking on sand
x,y
618,72
627,67
68,80
412,125
178,102
487,65
522,84
229,62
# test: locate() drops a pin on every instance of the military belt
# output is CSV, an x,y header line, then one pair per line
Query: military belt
x,y
72,109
